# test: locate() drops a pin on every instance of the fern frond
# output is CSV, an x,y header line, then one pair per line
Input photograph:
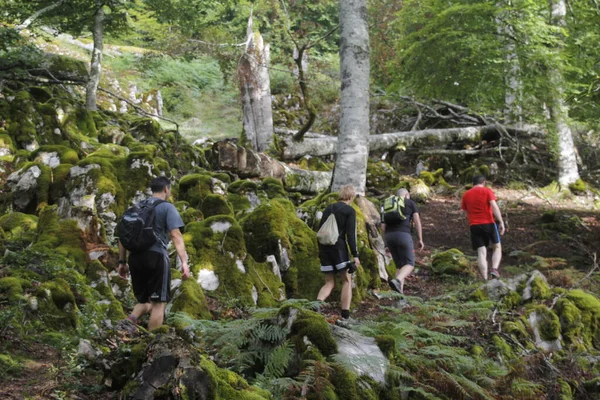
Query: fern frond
x,y
279,360
473,388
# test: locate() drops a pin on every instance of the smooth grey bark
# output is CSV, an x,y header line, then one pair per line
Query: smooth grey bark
x,y
513,112
25,24
568,172
353,143
91,89
321,145
255,87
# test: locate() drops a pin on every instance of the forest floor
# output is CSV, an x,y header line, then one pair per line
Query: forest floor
x,y
46,372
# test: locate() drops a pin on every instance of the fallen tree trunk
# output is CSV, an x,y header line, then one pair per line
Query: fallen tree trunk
x,y
318,145
251,164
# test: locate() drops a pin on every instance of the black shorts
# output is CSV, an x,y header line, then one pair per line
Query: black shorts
x,y
334,258
484,234
402,248
150,276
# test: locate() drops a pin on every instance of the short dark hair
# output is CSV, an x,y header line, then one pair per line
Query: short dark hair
x,y
478,179
159,184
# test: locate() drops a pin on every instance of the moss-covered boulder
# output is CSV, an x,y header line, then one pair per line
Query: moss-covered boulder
x,y
546,328
308,325
215,204
451,262
12,288
589,306
62,236
222,266
194,188
17,225
381,177
56,305
466,175
172,368
189,298
54,155
30,186
245,196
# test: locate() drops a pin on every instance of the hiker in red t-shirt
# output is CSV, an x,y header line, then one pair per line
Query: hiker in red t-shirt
x,y
479,205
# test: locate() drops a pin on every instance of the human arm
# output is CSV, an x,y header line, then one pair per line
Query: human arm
x,y
123,269
418,225
351,235
498,216
177,238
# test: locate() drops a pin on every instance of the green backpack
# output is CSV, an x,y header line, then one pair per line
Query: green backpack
x,y
393,210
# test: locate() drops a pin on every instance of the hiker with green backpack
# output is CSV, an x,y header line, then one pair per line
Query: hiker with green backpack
x,y
337,232
397,213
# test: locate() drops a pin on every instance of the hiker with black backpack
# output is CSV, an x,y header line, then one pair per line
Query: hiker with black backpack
x,y
397,213
144,231
337,231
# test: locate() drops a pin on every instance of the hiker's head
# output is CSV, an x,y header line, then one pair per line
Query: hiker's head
x,y
402,193
160,184
347,193
478,180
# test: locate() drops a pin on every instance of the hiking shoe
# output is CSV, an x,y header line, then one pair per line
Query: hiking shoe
x,y
395,285
495,274
346,322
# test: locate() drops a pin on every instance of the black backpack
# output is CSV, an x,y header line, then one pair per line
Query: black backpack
x,y
136,228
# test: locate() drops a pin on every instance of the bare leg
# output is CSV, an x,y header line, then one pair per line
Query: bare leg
x,y
402,273
141,309
327,287
496,255
157,315
482,263
346,289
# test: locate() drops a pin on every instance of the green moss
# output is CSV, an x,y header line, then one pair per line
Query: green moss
x,y
478,295
540,289
451,262
269,287
386,343
589,305
516,328
478,351
191,215
579,187
63,236
110,151
191,301
19,225
194,188
66,154
273,188
314,164
313,326
215,204
381,176
57,307
243,186
13,288
549,323
225,384
466,175
511,300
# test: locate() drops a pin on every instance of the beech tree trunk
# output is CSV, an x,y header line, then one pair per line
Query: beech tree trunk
x,y
513,112
96,65
255,89
353,143
568,172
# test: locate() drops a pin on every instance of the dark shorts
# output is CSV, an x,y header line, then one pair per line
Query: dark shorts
x,y
402,248
334,258
150,277
484,234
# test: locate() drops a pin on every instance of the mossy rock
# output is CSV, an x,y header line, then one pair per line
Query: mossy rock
x,y
548,322
381,176
215,204
217,244
450,262
63,236
570,318
561,222
64,67
54,155
18,225
194,188
189,298
311,325
57,306
30,187
314,164
273,187
12,288
589,305
578,187
191,215
467,174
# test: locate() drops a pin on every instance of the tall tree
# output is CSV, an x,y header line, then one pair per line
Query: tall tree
x,y
353,145
568,172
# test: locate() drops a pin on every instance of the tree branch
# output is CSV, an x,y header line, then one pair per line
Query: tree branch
x,y
25,24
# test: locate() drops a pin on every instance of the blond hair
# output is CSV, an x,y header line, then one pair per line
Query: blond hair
x,y
347,193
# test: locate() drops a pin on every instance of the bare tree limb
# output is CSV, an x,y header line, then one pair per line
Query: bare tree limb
x,y
25,24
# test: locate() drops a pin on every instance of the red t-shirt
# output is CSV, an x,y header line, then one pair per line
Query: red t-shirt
x,y
477,203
